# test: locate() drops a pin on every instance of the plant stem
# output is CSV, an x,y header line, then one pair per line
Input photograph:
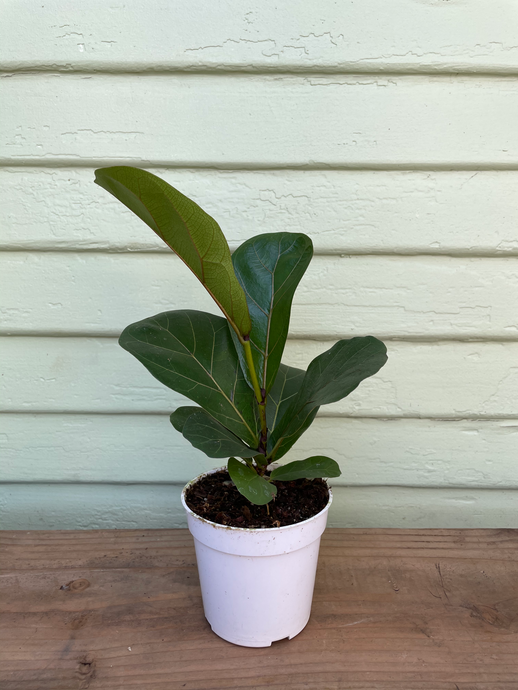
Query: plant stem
x,y
260,395
251,369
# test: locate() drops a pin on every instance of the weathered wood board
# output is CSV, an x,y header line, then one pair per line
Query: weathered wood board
x,y
393,610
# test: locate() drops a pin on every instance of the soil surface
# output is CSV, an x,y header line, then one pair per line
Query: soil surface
x,y
216,499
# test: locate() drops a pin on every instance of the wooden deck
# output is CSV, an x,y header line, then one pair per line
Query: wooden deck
x,y
398,609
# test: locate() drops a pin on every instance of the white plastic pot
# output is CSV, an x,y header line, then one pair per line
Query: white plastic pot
x,y
257,584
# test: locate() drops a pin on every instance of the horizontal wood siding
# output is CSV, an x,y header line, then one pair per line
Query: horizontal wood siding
x,y
339,296
247,121
385,131
444,379
425,453
375,35
123,506
455,212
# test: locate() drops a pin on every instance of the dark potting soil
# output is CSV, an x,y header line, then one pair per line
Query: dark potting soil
x,y
215,498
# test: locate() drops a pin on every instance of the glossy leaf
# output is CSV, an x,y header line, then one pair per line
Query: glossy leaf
x,y
207,434
181,415
282,394
192,353
253,487
330,377
187,229
294,425
315,467
269,267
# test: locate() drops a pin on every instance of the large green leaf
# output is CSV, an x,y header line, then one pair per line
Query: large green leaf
x,y
208,435
316,467
269,267
330,377
181,415
253,487
282,394
192,353
215,440
187,229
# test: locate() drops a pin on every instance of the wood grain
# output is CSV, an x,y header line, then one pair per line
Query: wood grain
x,y
393,609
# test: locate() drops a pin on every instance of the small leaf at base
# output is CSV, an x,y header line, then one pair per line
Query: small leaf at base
x,y
315,467
253,487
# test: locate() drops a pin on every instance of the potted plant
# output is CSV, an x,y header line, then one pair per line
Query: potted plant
x,y
256,525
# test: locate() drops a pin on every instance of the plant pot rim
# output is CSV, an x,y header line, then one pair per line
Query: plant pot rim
x,y
250,530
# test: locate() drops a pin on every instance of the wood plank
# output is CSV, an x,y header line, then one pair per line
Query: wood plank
x,y
346,211
406,610
145,448
154,506
363,36
363,121
421,379
168,548
339,296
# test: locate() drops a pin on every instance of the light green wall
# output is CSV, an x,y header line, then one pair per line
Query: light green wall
x,y
385,131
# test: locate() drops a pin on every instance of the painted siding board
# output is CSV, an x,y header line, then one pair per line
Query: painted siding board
x,y
345,211
195,34
208,120
339,296
146,449
437,379
98,506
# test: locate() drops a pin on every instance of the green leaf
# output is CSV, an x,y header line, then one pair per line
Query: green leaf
x,y
253,487
269,267
187,229
192,353
330,377
294,425
181,415
282,394
215,440
315,467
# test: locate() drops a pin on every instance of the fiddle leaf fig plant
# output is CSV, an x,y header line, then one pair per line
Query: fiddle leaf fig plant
x,y
250,405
